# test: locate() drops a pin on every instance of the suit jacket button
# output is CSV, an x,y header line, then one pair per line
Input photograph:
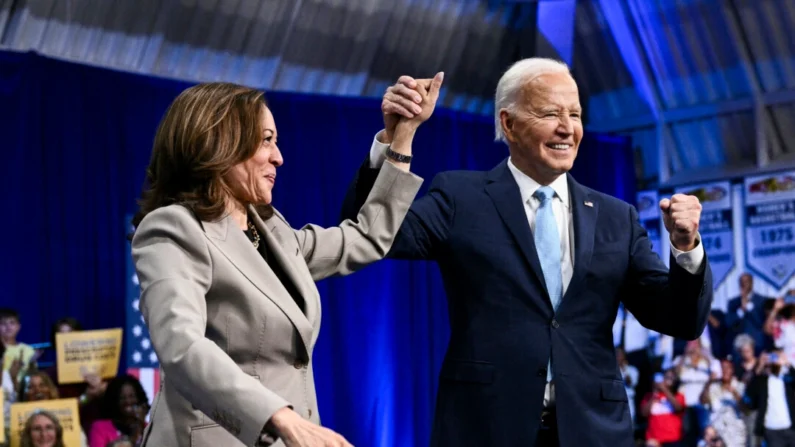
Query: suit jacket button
x,y
310,412
542,372
555,324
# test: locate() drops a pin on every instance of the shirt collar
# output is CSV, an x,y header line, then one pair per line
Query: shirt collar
x,y
528,186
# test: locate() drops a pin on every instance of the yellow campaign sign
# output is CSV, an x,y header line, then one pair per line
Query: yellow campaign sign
x,y
64,409
87,352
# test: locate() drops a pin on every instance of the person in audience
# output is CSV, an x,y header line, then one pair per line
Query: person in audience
x,y
664,410
745,314
121,442
9,386
89,394
36,386
630,375
746,360
717,334
745,371
695,368
42,429
635,342
711,438
17,356
772,393
218,264
780,325
722,397
124,408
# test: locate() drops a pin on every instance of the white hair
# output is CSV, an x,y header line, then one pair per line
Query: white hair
x,y
514,79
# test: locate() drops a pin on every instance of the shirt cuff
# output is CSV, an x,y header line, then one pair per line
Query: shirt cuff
x,y
693,260
377,152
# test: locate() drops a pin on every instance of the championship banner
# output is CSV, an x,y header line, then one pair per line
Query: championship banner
x,y
82,352
715,226
64,409
770,226
649,216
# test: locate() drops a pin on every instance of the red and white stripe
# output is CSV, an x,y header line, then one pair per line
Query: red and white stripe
x,y
149,378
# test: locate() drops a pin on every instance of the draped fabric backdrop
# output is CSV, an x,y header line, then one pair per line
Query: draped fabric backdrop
x,y
75,143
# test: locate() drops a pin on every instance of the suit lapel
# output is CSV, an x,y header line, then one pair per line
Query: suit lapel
x,y
234,244
286,253
504,192
585,210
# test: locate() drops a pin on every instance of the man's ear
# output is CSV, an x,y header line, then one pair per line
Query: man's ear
x,y
506,121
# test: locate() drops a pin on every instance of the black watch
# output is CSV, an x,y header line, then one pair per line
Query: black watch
x,y
400,158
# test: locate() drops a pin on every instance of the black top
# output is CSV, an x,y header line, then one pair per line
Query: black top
x,y
277,268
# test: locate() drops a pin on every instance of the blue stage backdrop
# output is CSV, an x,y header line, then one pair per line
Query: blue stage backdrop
x,y
76,141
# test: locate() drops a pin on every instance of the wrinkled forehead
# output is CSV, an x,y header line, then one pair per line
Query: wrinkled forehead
x,y
548,90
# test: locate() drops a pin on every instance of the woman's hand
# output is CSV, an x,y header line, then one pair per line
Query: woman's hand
x,y
410,101
296,431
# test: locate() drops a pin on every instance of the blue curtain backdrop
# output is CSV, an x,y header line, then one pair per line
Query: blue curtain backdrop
x,y
75,143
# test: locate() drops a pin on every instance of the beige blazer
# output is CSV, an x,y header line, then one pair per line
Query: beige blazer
x,y
234,346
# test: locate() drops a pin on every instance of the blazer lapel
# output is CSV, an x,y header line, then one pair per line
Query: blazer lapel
x,y
585,210
287,254
234,244
504,192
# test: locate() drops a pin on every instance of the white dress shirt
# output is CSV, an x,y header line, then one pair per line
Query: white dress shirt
x,y
561,206
777,416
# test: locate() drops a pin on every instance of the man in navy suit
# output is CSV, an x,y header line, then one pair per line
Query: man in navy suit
x,y
745,314
535,266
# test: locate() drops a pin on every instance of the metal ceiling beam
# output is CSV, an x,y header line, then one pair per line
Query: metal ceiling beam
x,y
700,111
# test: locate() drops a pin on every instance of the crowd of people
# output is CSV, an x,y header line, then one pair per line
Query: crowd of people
x,y
112,412
732,387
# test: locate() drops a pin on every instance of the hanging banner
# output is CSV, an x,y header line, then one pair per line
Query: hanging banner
x,y
770,226
649,216
715,226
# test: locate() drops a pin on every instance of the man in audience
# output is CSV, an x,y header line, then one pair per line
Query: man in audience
x,y
745,313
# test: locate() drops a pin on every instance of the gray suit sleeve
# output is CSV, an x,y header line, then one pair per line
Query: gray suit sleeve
x,y
352,245
174,268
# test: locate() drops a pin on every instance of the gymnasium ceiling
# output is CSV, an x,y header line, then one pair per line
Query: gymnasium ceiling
x,y
704,87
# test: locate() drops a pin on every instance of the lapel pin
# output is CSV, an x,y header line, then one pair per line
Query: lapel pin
x,y
589,204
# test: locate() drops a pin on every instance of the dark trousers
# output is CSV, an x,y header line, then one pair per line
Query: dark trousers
x,y
780,438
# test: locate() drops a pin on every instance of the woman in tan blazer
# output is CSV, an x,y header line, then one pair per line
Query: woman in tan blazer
x,y
227,285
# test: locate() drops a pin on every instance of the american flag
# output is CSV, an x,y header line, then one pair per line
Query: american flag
x,y
141,358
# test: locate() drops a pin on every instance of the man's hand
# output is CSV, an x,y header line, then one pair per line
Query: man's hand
x,y
411,100
296,431
681,215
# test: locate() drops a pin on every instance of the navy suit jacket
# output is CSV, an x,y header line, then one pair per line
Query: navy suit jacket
x,y
503,328
752,323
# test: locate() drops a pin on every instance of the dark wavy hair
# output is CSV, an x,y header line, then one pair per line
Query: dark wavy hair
x,y
110,401
208,129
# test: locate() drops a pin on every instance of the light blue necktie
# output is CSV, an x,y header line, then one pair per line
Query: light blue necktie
x,y
547,240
